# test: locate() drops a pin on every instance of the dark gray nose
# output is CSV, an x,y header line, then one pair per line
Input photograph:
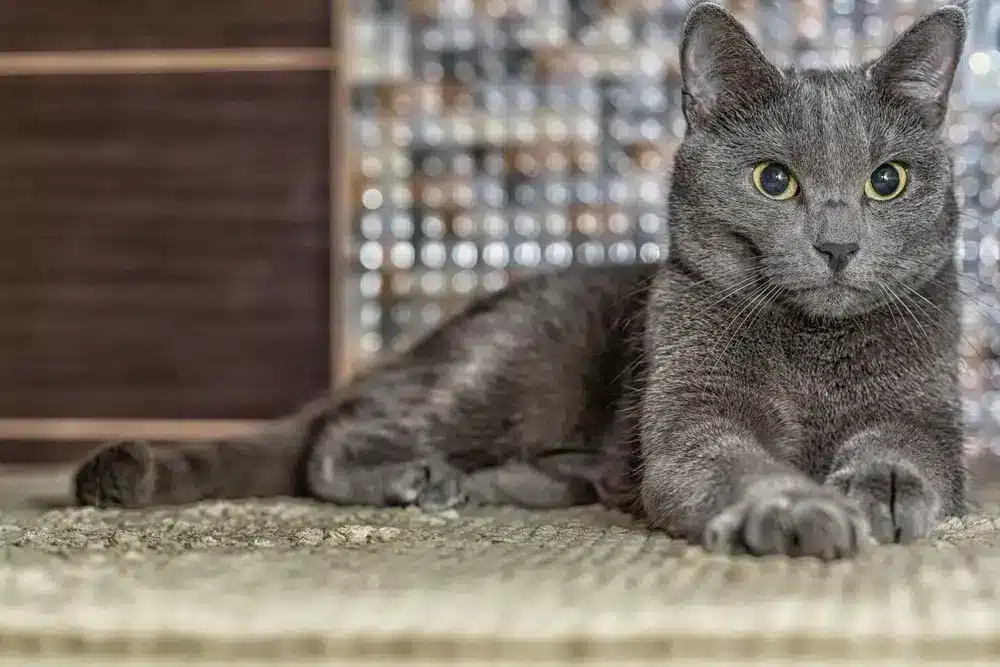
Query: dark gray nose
x,y
837,254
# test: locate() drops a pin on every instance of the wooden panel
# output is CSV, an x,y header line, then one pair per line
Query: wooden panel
x,y
34,63
100,430
154,24
165,245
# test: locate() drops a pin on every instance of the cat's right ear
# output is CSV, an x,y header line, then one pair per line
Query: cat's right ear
x,y
720,63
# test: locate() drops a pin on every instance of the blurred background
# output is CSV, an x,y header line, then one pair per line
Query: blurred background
x,y
212,211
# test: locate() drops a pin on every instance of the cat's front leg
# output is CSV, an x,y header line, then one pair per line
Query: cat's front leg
x,y
905,479
712,482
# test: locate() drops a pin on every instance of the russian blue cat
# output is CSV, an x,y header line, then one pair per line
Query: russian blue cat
x,y
785,382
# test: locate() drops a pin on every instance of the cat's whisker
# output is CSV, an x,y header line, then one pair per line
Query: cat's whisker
x,y
960,332
986,287
976,302
971,216
888,302
916,319
730,291
646,282
774,297
895,298
764,301
744,303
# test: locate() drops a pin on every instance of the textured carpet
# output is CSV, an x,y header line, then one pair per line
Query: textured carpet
x,y
285,582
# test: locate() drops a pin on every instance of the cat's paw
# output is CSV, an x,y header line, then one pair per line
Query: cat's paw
x,y
428,483
119,474
806,520
901,505
431,485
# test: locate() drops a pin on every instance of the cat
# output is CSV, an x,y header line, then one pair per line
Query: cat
x,y
784,382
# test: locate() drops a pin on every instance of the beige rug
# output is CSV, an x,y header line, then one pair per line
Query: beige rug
x,y
289,582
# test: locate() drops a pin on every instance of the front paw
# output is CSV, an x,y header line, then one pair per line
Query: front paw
x,y
119,474
802,520
901,505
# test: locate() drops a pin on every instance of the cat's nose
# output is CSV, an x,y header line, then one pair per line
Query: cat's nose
x,y
837,254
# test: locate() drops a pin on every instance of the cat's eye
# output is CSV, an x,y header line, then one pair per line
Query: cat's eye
x,y
775,181
887,182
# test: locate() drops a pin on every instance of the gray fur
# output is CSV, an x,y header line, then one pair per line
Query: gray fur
x,y
742,395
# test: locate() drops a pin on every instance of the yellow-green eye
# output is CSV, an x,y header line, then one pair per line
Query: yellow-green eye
x,y
775,181
887,182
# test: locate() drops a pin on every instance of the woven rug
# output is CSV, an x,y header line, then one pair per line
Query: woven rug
x,y
293,582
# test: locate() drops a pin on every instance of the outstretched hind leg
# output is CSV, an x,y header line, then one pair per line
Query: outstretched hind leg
x,y
121,474
133,473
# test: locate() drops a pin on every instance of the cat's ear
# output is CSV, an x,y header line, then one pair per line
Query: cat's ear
x,y
919,67
720,63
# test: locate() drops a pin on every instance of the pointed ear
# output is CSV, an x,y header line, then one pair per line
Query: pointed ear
x,y
919,67
720,63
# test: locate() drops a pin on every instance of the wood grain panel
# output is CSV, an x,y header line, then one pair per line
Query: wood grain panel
x,y
164,245
159,24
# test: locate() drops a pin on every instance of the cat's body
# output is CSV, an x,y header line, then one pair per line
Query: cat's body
x,y
784,383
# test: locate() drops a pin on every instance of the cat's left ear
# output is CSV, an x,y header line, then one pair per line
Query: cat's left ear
x,y
919,67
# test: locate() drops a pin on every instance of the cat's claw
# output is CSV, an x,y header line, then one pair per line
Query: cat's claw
x,y
806,521
900,504
118,474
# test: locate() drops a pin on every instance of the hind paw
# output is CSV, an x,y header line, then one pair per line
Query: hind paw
x,y
119,474
428,483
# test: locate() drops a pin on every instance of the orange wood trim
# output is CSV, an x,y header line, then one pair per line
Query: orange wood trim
x,y
167,61
115,429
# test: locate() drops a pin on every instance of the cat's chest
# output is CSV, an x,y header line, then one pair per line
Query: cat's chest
x,y
836,383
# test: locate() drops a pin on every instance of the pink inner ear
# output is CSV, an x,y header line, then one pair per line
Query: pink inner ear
x,y
699,72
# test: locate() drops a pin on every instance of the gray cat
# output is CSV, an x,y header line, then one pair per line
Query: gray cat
x,y
784,383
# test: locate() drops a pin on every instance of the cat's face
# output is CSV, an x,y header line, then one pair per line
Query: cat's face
x,y
827,191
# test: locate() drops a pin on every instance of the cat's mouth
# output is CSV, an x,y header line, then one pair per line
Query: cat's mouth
x,y
835,298
835,286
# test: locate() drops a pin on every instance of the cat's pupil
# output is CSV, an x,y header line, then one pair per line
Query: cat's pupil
x,y
774,180
885,180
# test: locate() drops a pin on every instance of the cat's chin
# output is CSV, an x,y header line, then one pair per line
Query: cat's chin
x,y
834,301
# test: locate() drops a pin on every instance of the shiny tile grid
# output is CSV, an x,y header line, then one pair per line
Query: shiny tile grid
x,y
499,136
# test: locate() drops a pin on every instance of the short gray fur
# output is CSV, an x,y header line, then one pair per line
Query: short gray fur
x,y
749,393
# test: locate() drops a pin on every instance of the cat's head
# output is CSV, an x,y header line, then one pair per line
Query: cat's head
x,y
828,186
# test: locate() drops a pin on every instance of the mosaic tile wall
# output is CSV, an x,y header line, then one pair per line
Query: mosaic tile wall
x,y
498,136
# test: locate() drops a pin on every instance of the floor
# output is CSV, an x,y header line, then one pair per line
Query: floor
x,y
293,582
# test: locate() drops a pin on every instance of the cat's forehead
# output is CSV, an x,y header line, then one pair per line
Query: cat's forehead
x,y
833,118
829,98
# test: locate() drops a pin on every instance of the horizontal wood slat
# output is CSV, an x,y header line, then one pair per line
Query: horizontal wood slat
x,y
162,24
98,430
166,245
155,62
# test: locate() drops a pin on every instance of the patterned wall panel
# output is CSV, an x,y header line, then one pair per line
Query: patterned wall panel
x,y
499,136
